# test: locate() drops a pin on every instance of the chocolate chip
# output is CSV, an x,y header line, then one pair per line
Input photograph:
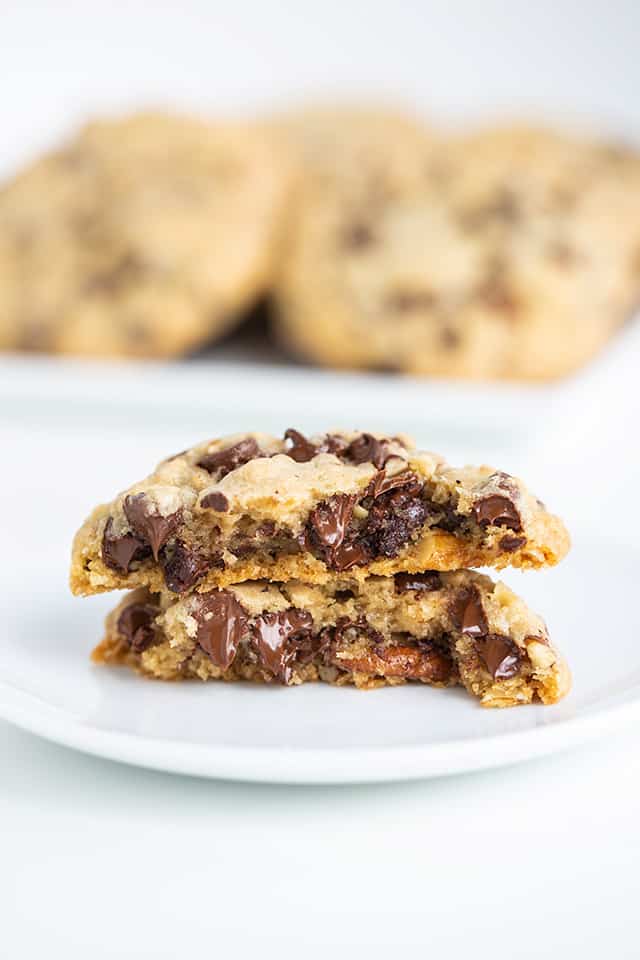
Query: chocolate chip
x,y
382,483
503,207
511,544
497,511
273,634
393,518
118,553
136,625
497,295
347,630
301,449
448,519
222,622
367,449
409,301
358,236
215,501
349,555
450,338
125,271
224,461
335,444
562,254
469,615
183,566
329,519
500,655
340,596
426,582
151,526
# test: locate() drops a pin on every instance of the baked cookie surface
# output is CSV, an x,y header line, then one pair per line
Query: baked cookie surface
x,y
434,628
515,253
253,506
143,236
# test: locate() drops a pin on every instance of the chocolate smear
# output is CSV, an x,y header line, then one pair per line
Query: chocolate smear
x,y
136,625
274,635
498,511
330,519
118,553
469,615
222,622
500,655
148,523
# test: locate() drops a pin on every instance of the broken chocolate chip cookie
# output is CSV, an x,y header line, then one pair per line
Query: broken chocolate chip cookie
x,y
433,628
253,506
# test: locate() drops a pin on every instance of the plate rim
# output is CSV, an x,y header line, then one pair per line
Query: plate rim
x,y
312,765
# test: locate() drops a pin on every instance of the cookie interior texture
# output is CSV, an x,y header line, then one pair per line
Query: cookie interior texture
x,y
142,236
510,253
434,628
252,505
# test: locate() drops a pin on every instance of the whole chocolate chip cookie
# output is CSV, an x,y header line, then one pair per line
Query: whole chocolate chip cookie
x,y
251,506
433,628
515,253
143,236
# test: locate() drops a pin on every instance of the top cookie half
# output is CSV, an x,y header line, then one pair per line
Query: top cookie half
x,y
142,236
251,506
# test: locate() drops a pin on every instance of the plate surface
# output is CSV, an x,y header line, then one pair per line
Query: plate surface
x,y
72,439
317,733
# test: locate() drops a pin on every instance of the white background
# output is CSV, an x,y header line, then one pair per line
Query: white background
x,y
103,861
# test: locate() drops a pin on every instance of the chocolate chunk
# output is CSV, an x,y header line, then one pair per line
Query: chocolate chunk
x,y
148,524
340,596
329,519
136,625
215,501
426,582
469,615
183,566
381,483
393,518
222,622
425,662
349,555
500,654
498,511
224,461
274,634
448,519
301,449
347,631
118,553
511,544
367,449
358,236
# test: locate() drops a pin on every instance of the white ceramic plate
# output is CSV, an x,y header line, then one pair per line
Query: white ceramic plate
x,y
316,733
71,436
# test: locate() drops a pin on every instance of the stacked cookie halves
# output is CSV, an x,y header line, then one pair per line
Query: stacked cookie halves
x,y
339,557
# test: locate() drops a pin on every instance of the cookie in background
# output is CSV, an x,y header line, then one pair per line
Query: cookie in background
x,y
509,253
146,236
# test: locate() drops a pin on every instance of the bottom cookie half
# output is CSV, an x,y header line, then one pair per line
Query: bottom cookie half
x,y
434,628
